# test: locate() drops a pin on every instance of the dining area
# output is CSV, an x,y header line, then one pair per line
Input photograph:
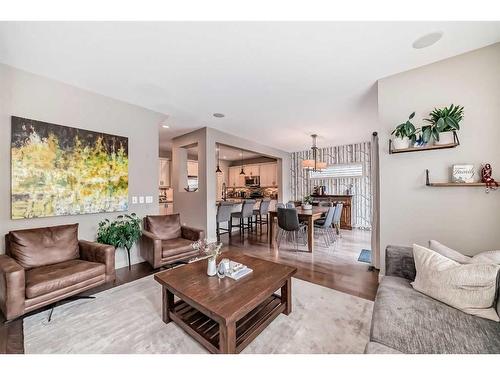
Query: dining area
x,y
292,223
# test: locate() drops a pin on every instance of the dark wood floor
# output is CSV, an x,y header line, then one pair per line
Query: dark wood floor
x,y
334,267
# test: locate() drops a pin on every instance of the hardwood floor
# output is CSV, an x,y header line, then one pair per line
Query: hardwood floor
x,y
335,267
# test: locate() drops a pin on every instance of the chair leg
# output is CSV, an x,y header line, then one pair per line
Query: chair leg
x,y
230,226
217,231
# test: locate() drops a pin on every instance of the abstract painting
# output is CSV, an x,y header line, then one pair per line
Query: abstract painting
x,y
59,170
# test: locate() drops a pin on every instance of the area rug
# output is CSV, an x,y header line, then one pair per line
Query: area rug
x,y
127,319
365,256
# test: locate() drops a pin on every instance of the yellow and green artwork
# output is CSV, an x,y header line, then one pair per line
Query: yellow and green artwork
x,y
58,170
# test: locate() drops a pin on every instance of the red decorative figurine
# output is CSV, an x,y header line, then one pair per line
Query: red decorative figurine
x,y
487,178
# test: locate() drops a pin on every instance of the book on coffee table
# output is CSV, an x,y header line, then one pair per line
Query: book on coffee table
x,y
238,270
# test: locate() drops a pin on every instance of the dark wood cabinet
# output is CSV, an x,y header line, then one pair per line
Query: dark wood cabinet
x,y
346,200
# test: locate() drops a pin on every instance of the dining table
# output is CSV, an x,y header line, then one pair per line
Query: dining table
x,y
307,216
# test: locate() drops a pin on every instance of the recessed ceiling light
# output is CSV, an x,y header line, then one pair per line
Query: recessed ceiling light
x,y
219,115
165,126
427,40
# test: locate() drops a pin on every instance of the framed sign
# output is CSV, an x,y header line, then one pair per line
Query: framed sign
x,y
462,173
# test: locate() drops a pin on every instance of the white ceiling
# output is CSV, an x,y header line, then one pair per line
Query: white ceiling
x,y
276,82
232,154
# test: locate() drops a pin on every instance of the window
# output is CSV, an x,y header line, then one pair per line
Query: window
x,y
339,171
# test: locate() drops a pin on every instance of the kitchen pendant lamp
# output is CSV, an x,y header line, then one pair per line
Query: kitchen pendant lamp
x,y
218,170
242,172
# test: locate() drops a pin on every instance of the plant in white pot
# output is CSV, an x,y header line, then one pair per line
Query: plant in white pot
x,y
443,123
307,203
404,134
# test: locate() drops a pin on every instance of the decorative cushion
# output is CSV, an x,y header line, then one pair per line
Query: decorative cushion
x,y
165,227
470,288
488,257
43,246
46,279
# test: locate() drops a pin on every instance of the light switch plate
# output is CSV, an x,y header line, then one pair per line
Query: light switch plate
x,y
141,199
134,200
149,199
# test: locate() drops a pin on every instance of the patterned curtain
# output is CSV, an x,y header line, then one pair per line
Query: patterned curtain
x,y
302,185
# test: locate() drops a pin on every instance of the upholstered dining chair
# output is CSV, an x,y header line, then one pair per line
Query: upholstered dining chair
x,y
290,227
337,216
324,227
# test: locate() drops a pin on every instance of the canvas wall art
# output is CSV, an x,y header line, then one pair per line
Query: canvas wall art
x,y
59,170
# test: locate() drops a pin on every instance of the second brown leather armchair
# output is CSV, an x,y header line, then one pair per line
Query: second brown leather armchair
x,y
164,240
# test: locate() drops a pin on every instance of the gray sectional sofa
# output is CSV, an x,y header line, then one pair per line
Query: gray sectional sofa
x,y
407,321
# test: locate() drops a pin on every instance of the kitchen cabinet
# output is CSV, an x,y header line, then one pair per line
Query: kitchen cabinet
x,y
235,179
166,208
252,170
164,173
192,168
268,174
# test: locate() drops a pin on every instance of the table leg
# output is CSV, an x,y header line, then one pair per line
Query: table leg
x,y
227,338
167,305
270,224
310,234
286,296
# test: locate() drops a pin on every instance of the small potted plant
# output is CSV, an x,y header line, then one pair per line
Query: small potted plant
x,y
210,250
307,203
443,123
123,232
404,134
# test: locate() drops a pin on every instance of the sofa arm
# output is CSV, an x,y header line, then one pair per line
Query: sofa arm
x,y
399,262
151,248
192,234
99,253
12,287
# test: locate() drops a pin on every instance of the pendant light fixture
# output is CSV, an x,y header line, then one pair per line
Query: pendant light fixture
x,y
314,164
218,170
242,172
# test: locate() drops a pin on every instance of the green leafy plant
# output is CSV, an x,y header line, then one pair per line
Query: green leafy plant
x,y
406,129
123,232
442,120
308,199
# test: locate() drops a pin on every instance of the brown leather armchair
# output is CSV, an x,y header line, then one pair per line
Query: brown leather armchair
x,y
164,240
45,265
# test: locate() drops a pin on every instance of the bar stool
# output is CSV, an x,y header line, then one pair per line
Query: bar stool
x,y
245,213
224,210
262,211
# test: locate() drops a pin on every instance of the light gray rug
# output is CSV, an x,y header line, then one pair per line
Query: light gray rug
x,y
127,319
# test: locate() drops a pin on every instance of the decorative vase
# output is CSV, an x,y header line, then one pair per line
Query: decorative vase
x,y
212,266
401,143
307,206
445,138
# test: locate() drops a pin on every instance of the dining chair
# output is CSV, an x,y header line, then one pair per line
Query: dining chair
x,y
245,213
290,227
224,210
280,205
261,214
290,204
337,216
324,227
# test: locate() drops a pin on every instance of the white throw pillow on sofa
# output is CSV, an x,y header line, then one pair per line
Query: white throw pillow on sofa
x,y
470,288
486,257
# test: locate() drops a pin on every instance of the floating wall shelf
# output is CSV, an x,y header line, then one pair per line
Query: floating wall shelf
x,y
425,148
451,184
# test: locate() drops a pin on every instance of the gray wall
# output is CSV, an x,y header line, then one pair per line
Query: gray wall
x,y
35,97
465,218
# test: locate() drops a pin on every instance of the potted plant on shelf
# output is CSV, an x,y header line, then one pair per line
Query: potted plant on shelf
x,y
123,232
404,134
307,203
443,123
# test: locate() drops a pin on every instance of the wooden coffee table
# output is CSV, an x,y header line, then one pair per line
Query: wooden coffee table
x,y
225,315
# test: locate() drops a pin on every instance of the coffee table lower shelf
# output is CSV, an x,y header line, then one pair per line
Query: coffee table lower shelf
x,y
206,330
